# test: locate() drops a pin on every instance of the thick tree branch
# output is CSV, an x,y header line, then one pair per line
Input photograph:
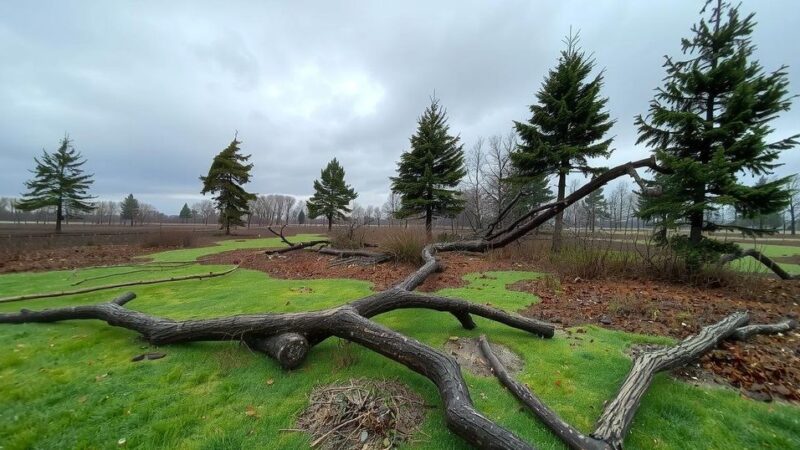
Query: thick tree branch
x,y
115,286
760,257
615,421
266,332
566,432
618,414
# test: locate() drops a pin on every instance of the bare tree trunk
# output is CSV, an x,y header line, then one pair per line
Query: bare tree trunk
x,y
559,225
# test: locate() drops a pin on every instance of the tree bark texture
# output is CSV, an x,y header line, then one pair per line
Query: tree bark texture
x,y
618,414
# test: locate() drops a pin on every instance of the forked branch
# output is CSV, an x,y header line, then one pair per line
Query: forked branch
x,y
618,414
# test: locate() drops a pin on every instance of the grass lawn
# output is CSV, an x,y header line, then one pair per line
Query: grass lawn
x,y
72,385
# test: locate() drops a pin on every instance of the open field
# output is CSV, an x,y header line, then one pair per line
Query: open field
x,y
72,384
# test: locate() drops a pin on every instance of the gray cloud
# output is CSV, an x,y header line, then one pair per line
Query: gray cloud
x,y
151,91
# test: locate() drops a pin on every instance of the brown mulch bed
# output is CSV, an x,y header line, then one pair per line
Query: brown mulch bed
x,y
71,257
765,367
303,265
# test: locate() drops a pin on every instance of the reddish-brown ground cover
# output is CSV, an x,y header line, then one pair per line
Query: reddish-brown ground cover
x,y
764,368
304,265
70,257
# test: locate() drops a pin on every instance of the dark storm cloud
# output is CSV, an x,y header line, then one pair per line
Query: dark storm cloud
x,y
151,91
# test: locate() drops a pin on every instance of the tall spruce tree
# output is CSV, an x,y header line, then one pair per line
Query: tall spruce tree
x,y
567,126
58,181
331,194
709,125
227,174
428,174
129,208
185,213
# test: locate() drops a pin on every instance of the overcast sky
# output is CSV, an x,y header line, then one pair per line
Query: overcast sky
x,y
151,91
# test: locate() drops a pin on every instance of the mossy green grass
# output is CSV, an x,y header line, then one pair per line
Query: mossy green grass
x,y
73,385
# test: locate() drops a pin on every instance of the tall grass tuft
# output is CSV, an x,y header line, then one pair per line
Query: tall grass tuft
x,y
405,245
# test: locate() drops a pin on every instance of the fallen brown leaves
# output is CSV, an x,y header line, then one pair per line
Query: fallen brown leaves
x,y
764,368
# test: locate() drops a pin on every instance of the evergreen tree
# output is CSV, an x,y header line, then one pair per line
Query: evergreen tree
x,y
567,126
428,174
301,217
709,124
185,213
227,174
129,208
331,194
59,182
596,207
537,191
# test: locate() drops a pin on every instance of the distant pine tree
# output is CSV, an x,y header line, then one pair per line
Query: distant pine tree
x,y
58,181
331,194
710,123
596,207
129,208
227,174
301,217
185,213
428,174
568,125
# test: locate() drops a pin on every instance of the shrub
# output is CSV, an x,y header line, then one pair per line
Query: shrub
x,y
405,245
169,238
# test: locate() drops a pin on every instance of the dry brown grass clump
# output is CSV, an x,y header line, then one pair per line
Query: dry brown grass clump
x,y
169,238
404,244
362,414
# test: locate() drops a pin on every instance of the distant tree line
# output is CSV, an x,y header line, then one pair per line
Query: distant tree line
x,y
707,127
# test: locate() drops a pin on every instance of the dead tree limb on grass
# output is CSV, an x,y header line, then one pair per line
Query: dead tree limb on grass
x,y
760,257
273,333
292,247
616,419
201,276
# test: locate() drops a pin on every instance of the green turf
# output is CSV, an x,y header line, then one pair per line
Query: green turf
x,y
72,385
231,244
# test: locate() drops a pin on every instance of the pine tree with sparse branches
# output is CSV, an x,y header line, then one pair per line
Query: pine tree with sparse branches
x,y
596,208
709,125
568,125
228,172
59,182
331,194
428,175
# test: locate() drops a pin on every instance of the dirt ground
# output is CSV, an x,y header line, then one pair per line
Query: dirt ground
x,y
765,368
307,265
70,257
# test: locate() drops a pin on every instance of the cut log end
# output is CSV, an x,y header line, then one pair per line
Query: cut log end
x,y
289,349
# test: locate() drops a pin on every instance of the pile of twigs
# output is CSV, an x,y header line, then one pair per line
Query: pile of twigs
x,y
362,414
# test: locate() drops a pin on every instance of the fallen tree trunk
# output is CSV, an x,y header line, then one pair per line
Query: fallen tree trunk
x,y
278,336
760,257
294,247
615,421
115,286
618,414
289,349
